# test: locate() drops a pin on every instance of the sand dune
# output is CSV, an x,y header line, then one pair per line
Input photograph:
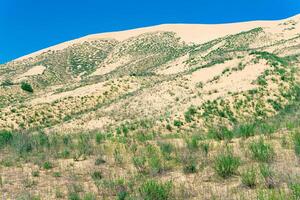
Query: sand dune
x,y
190,33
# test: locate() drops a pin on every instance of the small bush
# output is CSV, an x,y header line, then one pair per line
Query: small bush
x,y
26,87
192,144
261,151
178,123
295,188
189,114
297,143
245,130
272,195
96,175
222,133
205,148
166,149
99,138
35,173
226,164
190,167
268,175
47,165
5,138
153,190
249,178
89,196
73,196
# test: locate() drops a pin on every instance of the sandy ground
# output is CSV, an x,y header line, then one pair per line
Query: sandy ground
x,y
36,70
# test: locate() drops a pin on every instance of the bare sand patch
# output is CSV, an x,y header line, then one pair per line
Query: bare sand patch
x,y
36,70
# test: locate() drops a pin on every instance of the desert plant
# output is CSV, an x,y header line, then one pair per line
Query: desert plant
x,y
268,175
190,166
205,148
192,144
261,151
248,177
295,188
96,175
166,149
47,165
178,123
35,173
73,196
26,87
226,164
296,139
89,196
5,138
153,190
188,115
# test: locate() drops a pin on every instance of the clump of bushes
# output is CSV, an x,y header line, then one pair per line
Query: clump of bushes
x,y
268,175
188,115
5,138
226,164
153,190
26,87
261,151
248,177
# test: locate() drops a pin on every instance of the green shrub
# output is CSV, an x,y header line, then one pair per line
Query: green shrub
x,y
96,175
192,144
139,162
22,143
205,148
190,166
295,188
274,194
73,196
226,164
249,177
122,195
89,196
99,138
47,165
268,175
188,115
178,123
153,190
5,138
166,149
245,130
296,139
155,164
26,87
261,151
221,133
35,173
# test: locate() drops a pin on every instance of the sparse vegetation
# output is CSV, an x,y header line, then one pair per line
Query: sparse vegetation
x,y
226,164
261,151
153,124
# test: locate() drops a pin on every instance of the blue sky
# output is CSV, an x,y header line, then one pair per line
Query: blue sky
x,y
30,25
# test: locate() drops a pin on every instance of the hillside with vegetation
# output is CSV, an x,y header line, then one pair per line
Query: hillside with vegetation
x,y
153,116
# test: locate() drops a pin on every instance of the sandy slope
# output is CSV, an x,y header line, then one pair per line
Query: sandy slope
x,y
196,33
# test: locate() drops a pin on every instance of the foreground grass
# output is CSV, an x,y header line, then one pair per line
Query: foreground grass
x,y
121,165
